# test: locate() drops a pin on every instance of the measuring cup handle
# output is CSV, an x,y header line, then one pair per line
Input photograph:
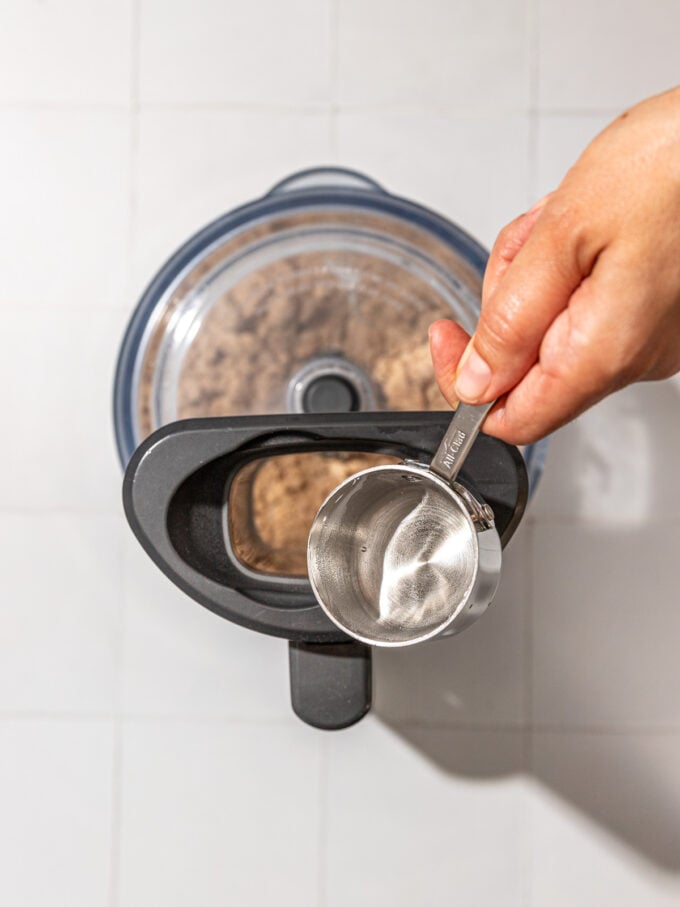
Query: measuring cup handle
x,y
458,439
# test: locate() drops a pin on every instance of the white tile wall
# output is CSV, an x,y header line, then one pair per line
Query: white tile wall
x,y
77,52
58,642
414,819
147,750
473,169
183,660
56,789
65,209
606,625
218,813
605,54
603,801
618,485
59,453
469,53
195,164
561,137
209,52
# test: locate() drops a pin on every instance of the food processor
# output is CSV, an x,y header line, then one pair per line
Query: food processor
x,y
278,352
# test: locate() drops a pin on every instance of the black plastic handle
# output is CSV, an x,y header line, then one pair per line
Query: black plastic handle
x,y
177,484
176,492
176,489
330,683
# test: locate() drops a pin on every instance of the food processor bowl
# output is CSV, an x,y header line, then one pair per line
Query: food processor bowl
x,y
316,297
280,350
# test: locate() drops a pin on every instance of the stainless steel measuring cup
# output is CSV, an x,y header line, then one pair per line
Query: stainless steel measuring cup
x,y
401,554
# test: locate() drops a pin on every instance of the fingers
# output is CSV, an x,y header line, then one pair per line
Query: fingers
x,y
581,359
543,402
536,407
581,295
508,243
447,339
534,287
447,343
539,404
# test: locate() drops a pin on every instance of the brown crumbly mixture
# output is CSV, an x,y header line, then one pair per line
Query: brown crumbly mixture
x,y
272,506
266,327
254,338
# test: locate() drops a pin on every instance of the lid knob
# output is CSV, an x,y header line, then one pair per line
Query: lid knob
x,y
330,394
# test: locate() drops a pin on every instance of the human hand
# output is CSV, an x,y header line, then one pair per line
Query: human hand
x,y
581,294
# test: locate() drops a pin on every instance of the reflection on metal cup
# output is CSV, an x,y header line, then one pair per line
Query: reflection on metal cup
x,y
397,556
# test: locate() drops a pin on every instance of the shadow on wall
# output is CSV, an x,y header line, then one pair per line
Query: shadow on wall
x,y
589,651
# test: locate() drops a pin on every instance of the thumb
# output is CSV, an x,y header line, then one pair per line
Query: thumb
x,y
447,343
534,289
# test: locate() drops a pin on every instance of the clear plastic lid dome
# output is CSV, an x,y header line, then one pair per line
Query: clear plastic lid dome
x,y
319,295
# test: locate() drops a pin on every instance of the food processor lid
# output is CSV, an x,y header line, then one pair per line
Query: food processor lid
x,y
333,229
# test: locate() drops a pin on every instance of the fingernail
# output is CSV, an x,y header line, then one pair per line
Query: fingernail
x,y
474,376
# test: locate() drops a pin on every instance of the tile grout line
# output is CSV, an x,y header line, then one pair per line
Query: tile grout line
x,y
117,761
234,721
529,564
334,61
133,194
477,111
324,756
322,891
526,870
528,742
534,71
117,742
595,730
64,107
529,610
116,811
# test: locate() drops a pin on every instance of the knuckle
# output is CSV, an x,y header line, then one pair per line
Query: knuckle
x,y
614,364
498,333
662,360
564,226
667,368
625,361
526,434
507,235
513,429
510,239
